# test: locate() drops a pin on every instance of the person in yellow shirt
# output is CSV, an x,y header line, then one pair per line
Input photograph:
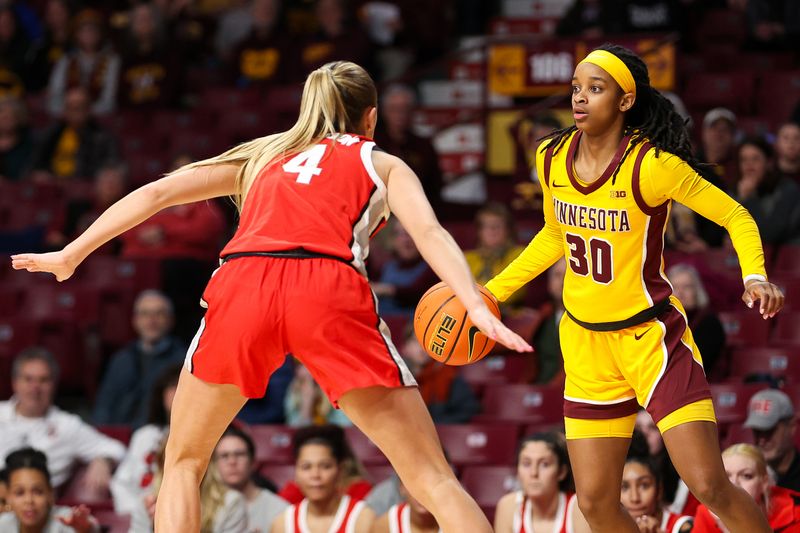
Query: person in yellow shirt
x,y
496,247
608,183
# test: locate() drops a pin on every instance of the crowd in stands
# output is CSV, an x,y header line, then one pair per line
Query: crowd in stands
x,y
99,97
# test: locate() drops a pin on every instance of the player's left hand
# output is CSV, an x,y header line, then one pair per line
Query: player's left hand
x,y
769,296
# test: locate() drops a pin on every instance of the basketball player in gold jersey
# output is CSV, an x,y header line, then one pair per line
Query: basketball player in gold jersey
x,y
608,184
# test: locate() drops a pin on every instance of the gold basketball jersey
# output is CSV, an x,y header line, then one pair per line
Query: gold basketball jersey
x,y
611,231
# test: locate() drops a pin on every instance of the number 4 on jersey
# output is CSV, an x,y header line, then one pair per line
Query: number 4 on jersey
x,y
306,164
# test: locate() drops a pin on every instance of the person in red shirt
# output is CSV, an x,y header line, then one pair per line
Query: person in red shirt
x,y
747,468
293,280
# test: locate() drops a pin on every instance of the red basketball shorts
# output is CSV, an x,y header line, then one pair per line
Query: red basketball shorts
x,y
322,311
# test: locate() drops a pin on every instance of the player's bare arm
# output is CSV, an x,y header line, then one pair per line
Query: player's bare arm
x,y
408,202
201,183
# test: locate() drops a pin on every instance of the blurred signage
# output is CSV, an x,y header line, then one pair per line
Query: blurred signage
x,y
546,68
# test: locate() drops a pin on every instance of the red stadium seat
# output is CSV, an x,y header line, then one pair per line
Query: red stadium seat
x,y
522,404
479,444
110,522
778,94
778,361
722,25
108,272
487,484
118,432
728,89
787,330
280,475
363,448
745,328
273,444
493,370
737,434
787,262
378,473
730,400
73,302
791,290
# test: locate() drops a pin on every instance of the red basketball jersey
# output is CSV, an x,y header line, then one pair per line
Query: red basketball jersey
x,y
327,200
400,518
523,515
343,522
672,523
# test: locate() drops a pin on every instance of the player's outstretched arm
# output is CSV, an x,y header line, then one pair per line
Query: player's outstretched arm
x,y
200,183
408,202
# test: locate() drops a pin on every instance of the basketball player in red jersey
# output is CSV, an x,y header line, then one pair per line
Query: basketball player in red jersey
x,y
293,280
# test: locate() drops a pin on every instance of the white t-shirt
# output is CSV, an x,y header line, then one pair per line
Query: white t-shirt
x,y
63,437
263,510
133,478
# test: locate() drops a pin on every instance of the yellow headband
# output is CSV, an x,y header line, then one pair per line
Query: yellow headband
x,y
615,67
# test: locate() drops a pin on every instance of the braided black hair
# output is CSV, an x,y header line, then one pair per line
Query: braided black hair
x,y
652,118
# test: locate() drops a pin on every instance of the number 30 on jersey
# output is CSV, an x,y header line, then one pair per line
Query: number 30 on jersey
x,y
596,258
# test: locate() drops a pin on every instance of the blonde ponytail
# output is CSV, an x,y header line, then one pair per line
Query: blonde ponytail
x,y
335,97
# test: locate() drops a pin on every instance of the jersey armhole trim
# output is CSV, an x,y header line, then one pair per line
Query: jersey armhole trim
x,y
366,160
636,184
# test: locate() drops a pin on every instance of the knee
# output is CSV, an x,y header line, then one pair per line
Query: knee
x,y
712,489
184,458
597,505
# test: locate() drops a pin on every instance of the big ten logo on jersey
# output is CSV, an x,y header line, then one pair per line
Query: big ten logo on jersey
x,y
619,194
443,331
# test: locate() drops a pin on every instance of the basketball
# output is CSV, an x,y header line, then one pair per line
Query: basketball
x,y
445,331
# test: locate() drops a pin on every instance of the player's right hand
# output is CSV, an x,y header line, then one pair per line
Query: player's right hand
x,y
497,331
55,263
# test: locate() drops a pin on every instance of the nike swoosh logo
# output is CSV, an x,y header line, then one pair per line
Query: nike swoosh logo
x,y
637,337
471,337
558,185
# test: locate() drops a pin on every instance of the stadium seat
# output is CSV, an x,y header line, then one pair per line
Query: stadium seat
x,y
791,290
16,334
108,272
722,25
778,94
363,448
378,473
737,434
273,444
777,361
787,260
487,484
479,444
730,400
524,324
280,475
73,302
745,328
733,90
110,522
787,330
118,432
493,370
522,404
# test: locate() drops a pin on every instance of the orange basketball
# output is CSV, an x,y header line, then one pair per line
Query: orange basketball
x,y
446,332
